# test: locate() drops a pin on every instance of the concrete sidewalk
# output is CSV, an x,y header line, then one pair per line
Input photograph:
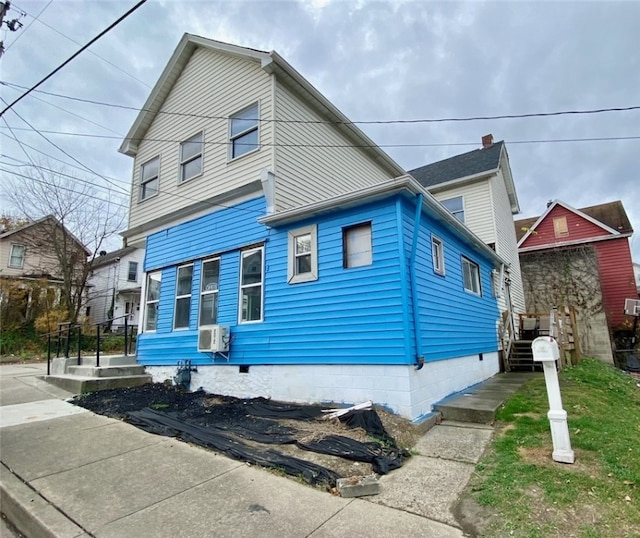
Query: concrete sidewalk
x,y
67,472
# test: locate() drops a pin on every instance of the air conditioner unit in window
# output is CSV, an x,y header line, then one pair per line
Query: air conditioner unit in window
x,y
213,339
632,307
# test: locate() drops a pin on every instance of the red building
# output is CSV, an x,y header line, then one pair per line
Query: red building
x,y
605,228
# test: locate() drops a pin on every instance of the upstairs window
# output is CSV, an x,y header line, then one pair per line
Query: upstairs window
x,y
471,276
357,250
183,297
132,275
209,292
152,301
191,157
303,255
251,285
16,258
560,227
437,252
244,131
455,207
149,178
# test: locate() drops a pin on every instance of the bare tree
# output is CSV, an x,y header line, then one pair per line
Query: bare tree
x,y
85,214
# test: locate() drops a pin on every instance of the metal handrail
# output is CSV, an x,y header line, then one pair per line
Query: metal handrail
x,y
64,332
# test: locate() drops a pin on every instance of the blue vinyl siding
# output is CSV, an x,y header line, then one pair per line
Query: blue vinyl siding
x,y
360,315
453,321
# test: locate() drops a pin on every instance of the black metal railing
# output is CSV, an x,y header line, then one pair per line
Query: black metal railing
x,y
67,333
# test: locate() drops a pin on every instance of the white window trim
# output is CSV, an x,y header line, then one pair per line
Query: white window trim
x,y
464,212
210,292
292,277
189,295
129,272
182,163
241,287
230,157
140,183
24,255
147,302
476,276
345,231
439,254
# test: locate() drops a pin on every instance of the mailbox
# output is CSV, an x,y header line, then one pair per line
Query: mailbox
x,y
545,348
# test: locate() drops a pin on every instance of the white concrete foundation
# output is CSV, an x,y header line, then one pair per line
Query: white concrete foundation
x,y
406,391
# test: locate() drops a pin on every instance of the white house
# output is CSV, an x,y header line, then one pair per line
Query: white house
x,y
115,283
478,188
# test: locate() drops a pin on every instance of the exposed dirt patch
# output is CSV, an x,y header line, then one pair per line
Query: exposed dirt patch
x,y
584,461
273,434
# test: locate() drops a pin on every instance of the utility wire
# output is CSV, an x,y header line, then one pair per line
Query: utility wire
x,y
49,184
105,31
362,122
115,66
62,174
33,19
56,158
333,146
65,152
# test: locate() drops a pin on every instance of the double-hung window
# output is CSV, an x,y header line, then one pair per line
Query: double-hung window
x,y
437,253
471,276
303,255
209,292
455,206
191,157
132,275
153,299
16,258
149,178
251,285
183,297
357,248
244,131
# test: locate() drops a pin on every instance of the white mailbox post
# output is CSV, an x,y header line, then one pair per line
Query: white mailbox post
x,y
545,350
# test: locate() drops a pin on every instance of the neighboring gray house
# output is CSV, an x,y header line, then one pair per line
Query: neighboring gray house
x,y
478,188
116,279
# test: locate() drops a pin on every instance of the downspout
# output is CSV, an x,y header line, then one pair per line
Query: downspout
x,y
413,287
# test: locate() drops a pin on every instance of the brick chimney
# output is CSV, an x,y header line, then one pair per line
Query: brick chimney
x,y
487,141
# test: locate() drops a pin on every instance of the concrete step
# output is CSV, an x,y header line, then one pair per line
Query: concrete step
x,y
105,371
478,404
80,384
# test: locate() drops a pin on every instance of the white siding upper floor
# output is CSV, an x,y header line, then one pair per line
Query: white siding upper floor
x,y
478,209
315,161
212,87
505,241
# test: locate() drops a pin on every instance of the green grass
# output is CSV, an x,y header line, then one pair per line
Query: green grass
x,y
598,495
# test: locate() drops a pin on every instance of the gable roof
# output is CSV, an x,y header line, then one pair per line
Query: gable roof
x,y
459,166
610,216
468,166
271,63
44,219
110,257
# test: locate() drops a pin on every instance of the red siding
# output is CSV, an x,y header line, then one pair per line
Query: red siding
x,y
616,277
579,228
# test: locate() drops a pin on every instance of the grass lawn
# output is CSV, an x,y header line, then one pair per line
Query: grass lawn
x,y
530,495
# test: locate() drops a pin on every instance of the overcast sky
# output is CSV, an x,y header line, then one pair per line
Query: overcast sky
x,y
374,61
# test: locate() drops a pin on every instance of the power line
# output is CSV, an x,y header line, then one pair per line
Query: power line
x,y
58,173
49,184
62,150
55,158
362,122
105,31
430,145
115,66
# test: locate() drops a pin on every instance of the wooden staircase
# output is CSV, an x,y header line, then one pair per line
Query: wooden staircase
x,y
521,357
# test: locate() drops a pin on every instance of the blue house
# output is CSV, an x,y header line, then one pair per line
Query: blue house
x,y
287,256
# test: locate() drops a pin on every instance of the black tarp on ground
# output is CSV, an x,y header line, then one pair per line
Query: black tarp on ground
x,y
224,424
